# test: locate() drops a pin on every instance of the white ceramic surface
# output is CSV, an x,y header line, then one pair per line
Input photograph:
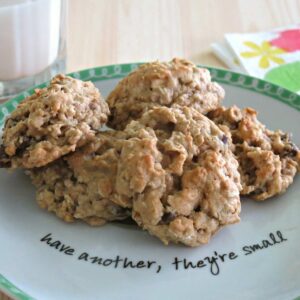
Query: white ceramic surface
x,y
44,272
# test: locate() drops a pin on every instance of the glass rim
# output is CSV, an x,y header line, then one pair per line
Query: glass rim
x,y
15,3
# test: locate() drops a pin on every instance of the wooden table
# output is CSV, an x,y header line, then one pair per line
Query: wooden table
x,y
102,32
115,31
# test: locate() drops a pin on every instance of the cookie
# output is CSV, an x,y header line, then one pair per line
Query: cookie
x,y
162,84
80,186
52,122
179,175
268,160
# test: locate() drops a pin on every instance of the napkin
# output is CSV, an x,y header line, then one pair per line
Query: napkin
x,y
271,55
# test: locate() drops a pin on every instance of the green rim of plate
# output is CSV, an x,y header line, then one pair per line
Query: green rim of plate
x,y
119,71
219,75
11,290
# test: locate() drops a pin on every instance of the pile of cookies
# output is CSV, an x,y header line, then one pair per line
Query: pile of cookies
x,y
173,159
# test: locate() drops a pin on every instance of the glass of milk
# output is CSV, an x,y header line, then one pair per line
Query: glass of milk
x,y
32,43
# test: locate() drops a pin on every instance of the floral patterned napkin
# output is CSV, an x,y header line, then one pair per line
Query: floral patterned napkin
x,y
273,55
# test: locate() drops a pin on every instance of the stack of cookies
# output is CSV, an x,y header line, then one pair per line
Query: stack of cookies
x,y
173,159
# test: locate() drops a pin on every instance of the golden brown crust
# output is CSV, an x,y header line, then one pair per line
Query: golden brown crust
x,y
180,175
172,169
52,122
81,185
268,160
162,84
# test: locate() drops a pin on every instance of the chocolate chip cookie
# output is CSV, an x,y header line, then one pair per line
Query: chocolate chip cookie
x,y
179,175
163,84
81,185
268,160
52,122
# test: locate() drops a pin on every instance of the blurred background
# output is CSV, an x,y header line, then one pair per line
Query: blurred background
x,y
102,32
40,38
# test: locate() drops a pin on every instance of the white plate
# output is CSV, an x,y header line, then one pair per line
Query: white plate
x,y
31,268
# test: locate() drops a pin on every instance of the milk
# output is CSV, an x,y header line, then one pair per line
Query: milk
x,y
29,36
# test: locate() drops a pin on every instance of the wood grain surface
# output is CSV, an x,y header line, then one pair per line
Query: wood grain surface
x,y
120,31
102,32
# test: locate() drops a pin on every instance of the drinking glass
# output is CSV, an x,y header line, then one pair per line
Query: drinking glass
x,y
32,43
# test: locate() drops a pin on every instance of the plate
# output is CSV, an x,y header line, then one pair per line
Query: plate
x,y
42,257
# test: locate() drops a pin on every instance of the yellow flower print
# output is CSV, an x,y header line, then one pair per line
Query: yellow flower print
x,y
266,51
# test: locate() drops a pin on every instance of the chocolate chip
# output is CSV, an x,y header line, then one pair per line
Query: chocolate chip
x,y
195,158
237,140
234,126
290,152
293,152
177,182
254,144
60,199
256,192
166,127
92,106
73,178
2,152
284,137
198,208
171,126
224,139
4,159
167,218
26,142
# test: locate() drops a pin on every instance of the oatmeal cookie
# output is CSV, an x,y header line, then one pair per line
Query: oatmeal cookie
x,y
163,84
80,185
268,160
52,122
179,175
